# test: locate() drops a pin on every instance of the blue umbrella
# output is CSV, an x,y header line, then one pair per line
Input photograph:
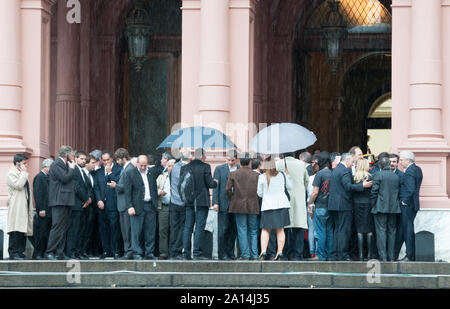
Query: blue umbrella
x,y
197,137
282,138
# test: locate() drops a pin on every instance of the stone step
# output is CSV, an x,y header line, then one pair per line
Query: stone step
x,y
215,274
227,266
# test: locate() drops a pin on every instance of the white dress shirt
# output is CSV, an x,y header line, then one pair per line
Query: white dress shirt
x,y
147,187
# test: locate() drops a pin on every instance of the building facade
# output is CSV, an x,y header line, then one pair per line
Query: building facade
x,y
236,65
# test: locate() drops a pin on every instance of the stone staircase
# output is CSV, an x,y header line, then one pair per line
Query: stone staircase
x,y
223,274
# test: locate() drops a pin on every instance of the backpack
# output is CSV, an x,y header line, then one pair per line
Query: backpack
x,y
187,187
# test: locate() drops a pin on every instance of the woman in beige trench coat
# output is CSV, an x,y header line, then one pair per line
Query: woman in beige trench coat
x,y
20,207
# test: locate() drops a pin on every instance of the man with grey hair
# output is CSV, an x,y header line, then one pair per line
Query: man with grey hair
x,y
61,199
409,201
306,158
340,204
43,217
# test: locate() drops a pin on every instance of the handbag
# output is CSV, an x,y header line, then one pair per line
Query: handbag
x,y
285,189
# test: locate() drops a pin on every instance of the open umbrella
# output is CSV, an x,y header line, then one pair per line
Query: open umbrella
x,y
197,137
281,138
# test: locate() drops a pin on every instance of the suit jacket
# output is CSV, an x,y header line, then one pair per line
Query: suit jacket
x,y
409,191
120,188
203,181
81,189
220,197
103,192
241,187
152,175
135,190
61,190
40,193
384,194
341,188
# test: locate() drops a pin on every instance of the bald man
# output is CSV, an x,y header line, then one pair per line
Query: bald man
x,y
142,211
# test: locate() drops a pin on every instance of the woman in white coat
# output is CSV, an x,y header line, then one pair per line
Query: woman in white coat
x,y
275,206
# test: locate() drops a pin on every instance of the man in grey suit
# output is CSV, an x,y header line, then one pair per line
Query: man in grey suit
x,y
61,198
227,231
123,159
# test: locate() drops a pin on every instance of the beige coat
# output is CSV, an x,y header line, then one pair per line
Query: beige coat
x,y
20,214
160,186
300,180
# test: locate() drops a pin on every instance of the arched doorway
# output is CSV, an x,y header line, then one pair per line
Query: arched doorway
x,y
302,84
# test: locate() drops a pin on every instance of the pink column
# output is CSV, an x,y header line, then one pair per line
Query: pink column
x,y
214,71
426,71
11,138
67,114
417,94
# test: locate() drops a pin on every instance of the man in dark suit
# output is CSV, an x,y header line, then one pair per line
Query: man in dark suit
x,y
340,204
385,207
394,158
82,200
108,217
123,159
61,198
88,213
43,220
409,201
197,211
141,210
226,224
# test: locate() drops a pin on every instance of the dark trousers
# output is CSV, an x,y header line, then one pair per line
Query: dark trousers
x,y
342,229
294,243
407,225
194,216
272,245
109,230
87,227
385,226
226,234
125,228
163,229
177,219
143,227
58,233
43,226
17,243
73,241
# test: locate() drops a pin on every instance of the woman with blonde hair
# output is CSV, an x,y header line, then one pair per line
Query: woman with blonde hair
x,y
272,188
362,207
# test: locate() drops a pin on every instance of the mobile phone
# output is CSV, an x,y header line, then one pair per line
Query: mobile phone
x,y
68,159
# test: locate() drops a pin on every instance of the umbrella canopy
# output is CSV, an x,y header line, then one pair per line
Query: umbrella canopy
x,y
281,138
197,137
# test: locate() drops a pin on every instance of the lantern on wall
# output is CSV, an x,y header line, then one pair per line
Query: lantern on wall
x,y
137,33
334,32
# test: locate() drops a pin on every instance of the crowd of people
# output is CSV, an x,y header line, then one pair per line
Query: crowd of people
x,y
318,207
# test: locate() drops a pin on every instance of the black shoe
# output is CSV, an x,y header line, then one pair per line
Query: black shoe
x,y
200,258
104,255
83,256
225,258
116,256
64,257
186,257
137,257
39,257
49,256
278,257
70,256
16,257
150,257
263,256
406,259
177,258
243,259
128,256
